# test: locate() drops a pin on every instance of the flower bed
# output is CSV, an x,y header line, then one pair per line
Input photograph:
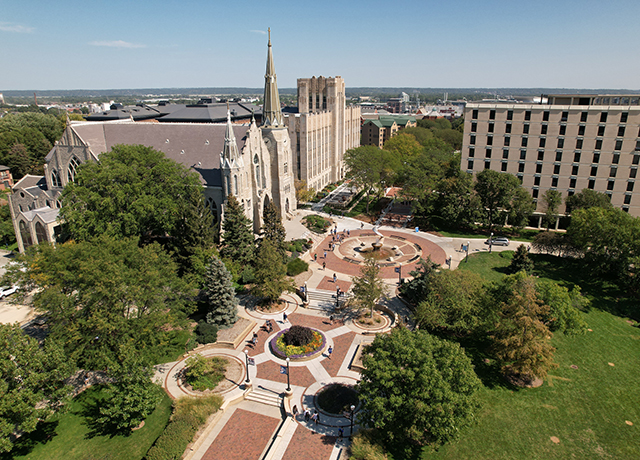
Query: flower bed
x,y
307,351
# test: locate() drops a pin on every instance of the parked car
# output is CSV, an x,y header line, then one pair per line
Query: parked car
x,y
498,241
7,290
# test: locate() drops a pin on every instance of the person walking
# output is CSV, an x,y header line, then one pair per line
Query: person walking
x,y
335,278
325,254
315,257
324,265
314,417
340,433
307,415
284,317
294,411
329,351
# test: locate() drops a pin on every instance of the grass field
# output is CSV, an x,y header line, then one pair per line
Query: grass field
x,y
68,437
585,408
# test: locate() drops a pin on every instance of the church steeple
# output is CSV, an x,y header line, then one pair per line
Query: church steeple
x,y
271,113
230,154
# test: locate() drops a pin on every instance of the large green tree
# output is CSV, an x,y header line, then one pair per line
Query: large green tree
x,y
272,229
102,293
552,200
270,273
366,166
521,208
416,388
238,243
496,191
368,288
221,297
564,307
31,382
586,199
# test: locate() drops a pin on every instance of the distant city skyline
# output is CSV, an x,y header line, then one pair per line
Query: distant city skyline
x,y
426,44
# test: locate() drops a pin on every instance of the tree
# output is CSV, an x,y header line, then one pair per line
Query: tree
x,y
7,234
521,261
31,382
303,193
421,134
453,137
403,145
130,398
272,229
552,200
418,288
270,274
521,208
238,242
455,201
520,337
102,293
451,303
221,297
368,288
554,242
135,191
564,307
364,166
496,191
586,199
417,388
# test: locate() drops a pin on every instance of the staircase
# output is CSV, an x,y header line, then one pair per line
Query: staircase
x,y
264,397
325,300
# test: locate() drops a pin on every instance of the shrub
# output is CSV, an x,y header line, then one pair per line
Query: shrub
x,y
365,447
247,276
189,414
296,266
298,336
205,373
206,333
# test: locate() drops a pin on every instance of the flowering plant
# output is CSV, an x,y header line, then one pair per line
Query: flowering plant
x,y
281,350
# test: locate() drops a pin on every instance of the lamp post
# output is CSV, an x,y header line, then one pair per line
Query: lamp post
x,y
353,408
490,242
288,384
246,358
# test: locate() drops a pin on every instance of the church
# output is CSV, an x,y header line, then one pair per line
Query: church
x,y
257,162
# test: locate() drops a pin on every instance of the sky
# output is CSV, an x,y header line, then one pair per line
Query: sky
x,y
118,44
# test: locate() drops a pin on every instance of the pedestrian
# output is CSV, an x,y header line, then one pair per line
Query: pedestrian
x,y
329,351
338,291
317,417
335,278
254,340
284,317
307,415
314,417
340,433
324,265
325,254
315,257
331,319
294,411
461,247
361,225
348,232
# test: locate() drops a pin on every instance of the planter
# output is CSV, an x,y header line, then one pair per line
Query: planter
x,y
273,345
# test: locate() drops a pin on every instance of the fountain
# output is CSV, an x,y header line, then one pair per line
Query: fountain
x,y
377,244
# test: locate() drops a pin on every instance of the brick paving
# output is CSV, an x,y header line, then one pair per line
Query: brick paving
x,y
309,445
317,322
341,346
244,437
327,284
300,376
262,336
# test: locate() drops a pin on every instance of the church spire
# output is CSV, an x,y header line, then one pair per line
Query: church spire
x,y
271,113
230,152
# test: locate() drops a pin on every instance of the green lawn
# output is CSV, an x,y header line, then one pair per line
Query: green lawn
x,y
585,408
68,437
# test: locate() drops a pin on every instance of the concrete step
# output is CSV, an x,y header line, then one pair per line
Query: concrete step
x,y
325,300
265,397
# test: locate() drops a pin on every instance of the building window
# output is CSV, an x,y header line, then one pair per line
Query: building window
x,y
601,129
524,142
565,116
578,144
507,128
556,169
521,167
487,153
581,129
583,116
41,233
472,152
286,168
507,141
520,178
55,179
545,115
592,184
572,182
523,154
618,144
636,159
613,171
487,164
543,142
576,157
621,130
505,154
627,199
472,139
633,172
470,164
574,170
558,156
561,143
527,115
492,114
598,144
538,168
571,192
489,140
73,166
536,180
25,234
490,127
543,129
603,117
509,114
504,166
563,130
525,128
474,114
630,187
554,181
540,156
625,209
474,126
610,184
637,146
534,193
594,171
616,158
623,117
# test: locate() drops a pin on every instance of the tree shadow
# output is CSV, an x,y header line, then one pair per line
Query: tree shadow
x,y
90,412
44,433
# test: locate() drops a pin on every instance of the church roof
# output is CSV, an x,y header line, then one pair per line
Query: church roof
x,y
30,181
47,214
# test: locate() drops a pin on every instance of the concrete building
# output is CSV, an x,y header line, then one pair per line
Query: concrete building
x,y
378,131
566,143
321,130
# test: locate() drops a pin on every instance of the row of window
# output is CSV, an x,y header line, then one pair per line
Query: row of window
x,y
560,142
544,129
577,156
584,116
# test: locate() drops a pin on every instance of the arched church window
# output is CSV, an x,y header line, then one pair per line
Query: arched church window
x,y
211,204
73,166
41,233
235,185
25,234
55,179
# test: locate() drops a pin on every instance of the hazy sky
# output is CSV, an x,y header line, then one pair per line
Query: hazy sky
x,y
99,44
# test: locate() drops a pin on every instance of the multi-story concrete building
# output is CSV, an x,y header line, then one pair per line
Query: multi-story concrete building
x,y
322,130
378,131
566,143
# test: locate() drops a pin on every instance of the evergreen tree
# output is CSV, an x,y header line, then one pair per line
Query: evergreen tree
x,y
270,273
521,261
221,296
238,242
273,229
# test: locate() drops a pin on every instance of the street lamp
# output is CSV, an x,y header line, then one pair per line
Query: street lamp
x,y
246,358
490,242
288,384
353,408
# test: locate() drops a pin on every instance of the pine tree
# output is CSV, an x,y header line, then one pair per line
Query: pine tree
x,y
270,273
238,242
221,296
521,261
273,229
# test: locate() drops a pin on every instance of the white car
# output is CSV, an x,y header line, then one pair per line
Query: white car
x,y
498,241
7,290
